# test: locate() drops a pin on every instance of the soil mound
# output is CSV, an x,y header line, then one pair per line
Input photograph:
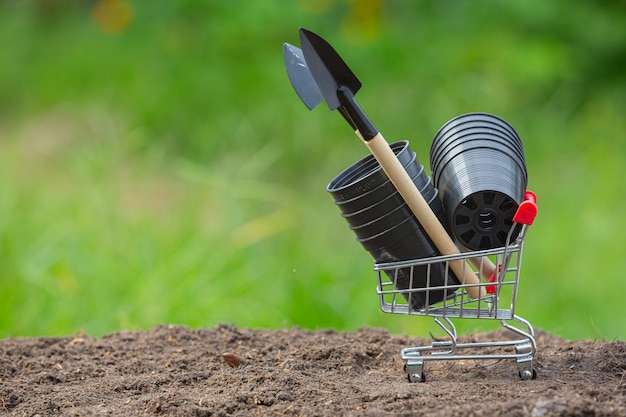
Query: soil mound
x,y
225,370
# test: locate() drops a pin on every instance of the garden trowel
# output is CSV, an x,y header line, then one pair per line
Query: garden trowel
x,y
337,84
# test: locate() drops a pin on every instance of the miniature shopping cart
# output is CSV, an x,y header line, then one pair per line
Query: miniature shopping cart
x,y
496,301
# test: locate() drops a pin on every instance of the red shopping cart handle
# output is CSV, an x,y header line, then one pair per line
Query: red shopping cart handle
x,y
527,211
525,214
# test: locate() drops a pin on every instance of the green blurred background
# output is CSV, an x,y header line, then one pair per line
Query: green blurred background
x,y
156,165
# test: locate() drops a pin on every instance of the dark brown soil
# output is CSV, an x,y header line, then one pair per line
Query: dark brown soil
x,y
174,370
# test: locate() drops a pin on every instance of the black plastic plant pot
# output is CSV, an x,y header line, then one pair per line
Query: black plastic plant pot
x,y
461,144
481,190
464,127
369,198
476,119
468,122
383,223
501,157
452,138
403,280
478,165
370,213
378,210
487,227
408,241
366,175
464,131
376,229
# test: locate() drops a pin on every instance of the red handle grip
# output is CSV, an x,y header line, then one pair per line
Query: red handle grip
x,y
527,211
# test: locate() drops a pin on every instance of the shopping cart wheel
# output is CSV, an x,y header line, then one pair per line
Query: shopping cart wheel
x,y
525,363
415,371
526,375
417,377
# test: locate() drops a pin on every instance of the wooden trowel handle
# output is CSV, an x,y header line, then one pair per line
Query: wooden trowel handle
x,y
484,267
414,199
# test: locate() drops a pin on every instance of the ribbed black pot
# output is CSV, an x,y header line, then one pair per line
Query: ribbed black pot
x,y
385,226
478,166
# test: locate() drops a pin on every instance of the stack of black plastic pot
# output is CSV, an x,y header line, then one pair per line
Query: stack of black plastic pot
x,y
477,163
478,180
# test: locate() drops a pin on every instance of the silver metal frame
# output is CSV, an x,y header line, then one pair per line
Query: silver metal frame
x,y
497,304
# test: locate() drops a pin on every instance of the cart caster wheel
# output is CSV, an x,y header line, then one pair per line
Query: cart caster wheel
x,y
415,370
526,375
421,377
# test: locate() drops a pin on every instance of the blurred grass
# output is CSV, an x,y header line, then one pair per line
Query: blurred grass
x,y
161,169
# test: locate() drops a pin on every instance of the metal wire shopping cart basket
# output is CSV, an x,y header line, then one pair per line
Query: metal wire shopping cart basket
x,y
496,302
